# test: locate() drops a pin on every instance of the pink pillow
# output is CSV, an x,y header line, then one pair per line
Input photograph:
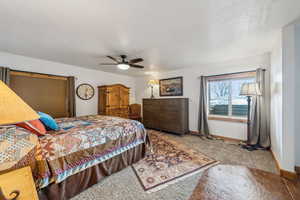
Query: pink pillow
x,y
34,126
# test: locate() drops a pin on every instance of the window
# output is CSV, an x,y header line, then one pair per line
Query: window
x,y
223,94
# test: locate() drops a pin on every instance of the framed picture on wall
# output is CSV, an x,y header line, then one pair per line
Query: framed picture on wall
x,y
171,86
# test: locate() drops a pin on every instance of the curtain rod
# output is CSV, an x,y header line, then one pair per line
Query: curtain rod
x,y
233,73
41,73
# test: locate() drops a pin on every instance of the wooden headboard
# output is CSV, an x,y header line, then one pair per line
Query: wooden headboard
x,y
43,92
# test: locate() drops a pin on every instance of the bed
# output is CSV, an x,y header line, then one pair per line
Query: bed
x,y
82,152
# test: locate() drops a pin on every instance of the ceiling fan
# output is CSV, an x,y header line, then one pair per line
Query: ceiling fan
x,y
123,63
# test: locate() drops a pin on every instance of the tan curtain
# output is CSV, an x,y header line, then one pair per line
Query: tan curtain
x,y
202,121
259,127
71,96
5,75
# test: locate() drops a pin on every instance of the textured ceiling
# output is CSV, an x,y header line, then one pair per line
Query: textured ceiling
x,y
168,34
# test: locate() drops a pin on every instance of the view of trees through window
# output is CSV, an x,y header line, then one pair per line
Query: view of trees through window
x,y
224,97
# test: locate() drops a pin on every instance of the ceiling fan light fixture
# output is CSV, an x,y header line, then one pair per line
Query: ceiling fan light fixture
x,y
123,66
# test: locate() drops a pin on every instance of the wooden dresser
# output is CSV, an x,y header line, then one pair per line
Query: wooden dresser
x,y
113,100
168,114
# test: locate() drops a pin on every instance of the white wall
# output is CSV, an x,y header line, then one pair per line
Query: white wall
x,y
285,97
284,118
191,84
289,104
276,100
93,77
297,93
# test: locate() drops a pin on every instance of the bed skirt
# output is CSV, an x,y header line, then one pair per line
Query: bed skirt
x,y
79,182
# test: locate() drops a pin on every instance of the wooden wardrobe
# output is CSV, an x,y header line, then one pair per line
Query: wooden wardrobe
x,y
113,100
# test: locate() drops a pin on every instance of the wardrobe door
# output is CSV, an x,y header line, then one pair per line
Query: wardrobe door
x,y
113,98
124,102
102,101
124,97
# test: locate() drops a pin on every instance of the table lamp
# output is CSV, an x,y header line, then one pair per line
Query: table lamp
x,y
152,83
249,90
13,109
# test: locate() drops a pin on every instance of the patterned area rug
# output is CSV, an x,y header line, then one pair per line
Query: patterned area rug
x,y
168,162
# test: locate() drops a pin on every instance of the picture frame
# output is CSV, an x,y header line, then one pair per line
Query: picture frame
x,y
171,86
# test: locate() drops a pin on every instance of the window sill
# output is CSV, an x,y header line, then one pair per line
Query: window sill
x,y
227,119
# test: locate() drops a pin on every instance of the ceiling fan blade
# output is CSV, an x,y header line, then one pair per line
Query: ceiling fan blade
x,y
137,66
114,59
107,63
136,60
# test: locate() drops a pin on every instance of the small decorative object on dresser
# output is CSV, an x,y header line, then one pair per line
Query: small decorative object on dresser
x,y
152,83
171,86
18,185
113,100
168,114
85,91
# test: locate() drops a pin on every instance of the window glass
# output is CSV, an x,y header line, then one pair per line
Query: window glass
x,y
224,97
219,97
239,103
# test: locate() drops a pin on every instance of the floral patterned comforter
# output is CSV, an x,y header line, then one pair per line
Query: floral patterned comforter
x,y
83,142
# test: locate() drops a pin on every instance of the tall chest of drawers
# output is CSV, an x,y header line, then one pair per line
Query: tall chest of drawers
x,y
167,114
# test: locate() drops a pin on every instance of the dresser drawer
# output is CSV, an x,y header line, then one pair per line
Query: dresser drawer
x,y
168,114
172,122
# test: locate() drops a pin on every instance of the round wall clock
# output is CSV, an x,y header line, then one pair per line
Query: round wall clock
x,y
85,91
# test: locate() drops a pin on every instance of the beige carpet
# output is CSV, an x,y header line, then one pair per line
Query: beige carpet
x,y
124,185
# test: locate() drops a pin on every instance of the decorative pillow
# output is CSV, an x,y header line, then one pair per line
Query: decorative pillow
x,y
48,121
34,126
